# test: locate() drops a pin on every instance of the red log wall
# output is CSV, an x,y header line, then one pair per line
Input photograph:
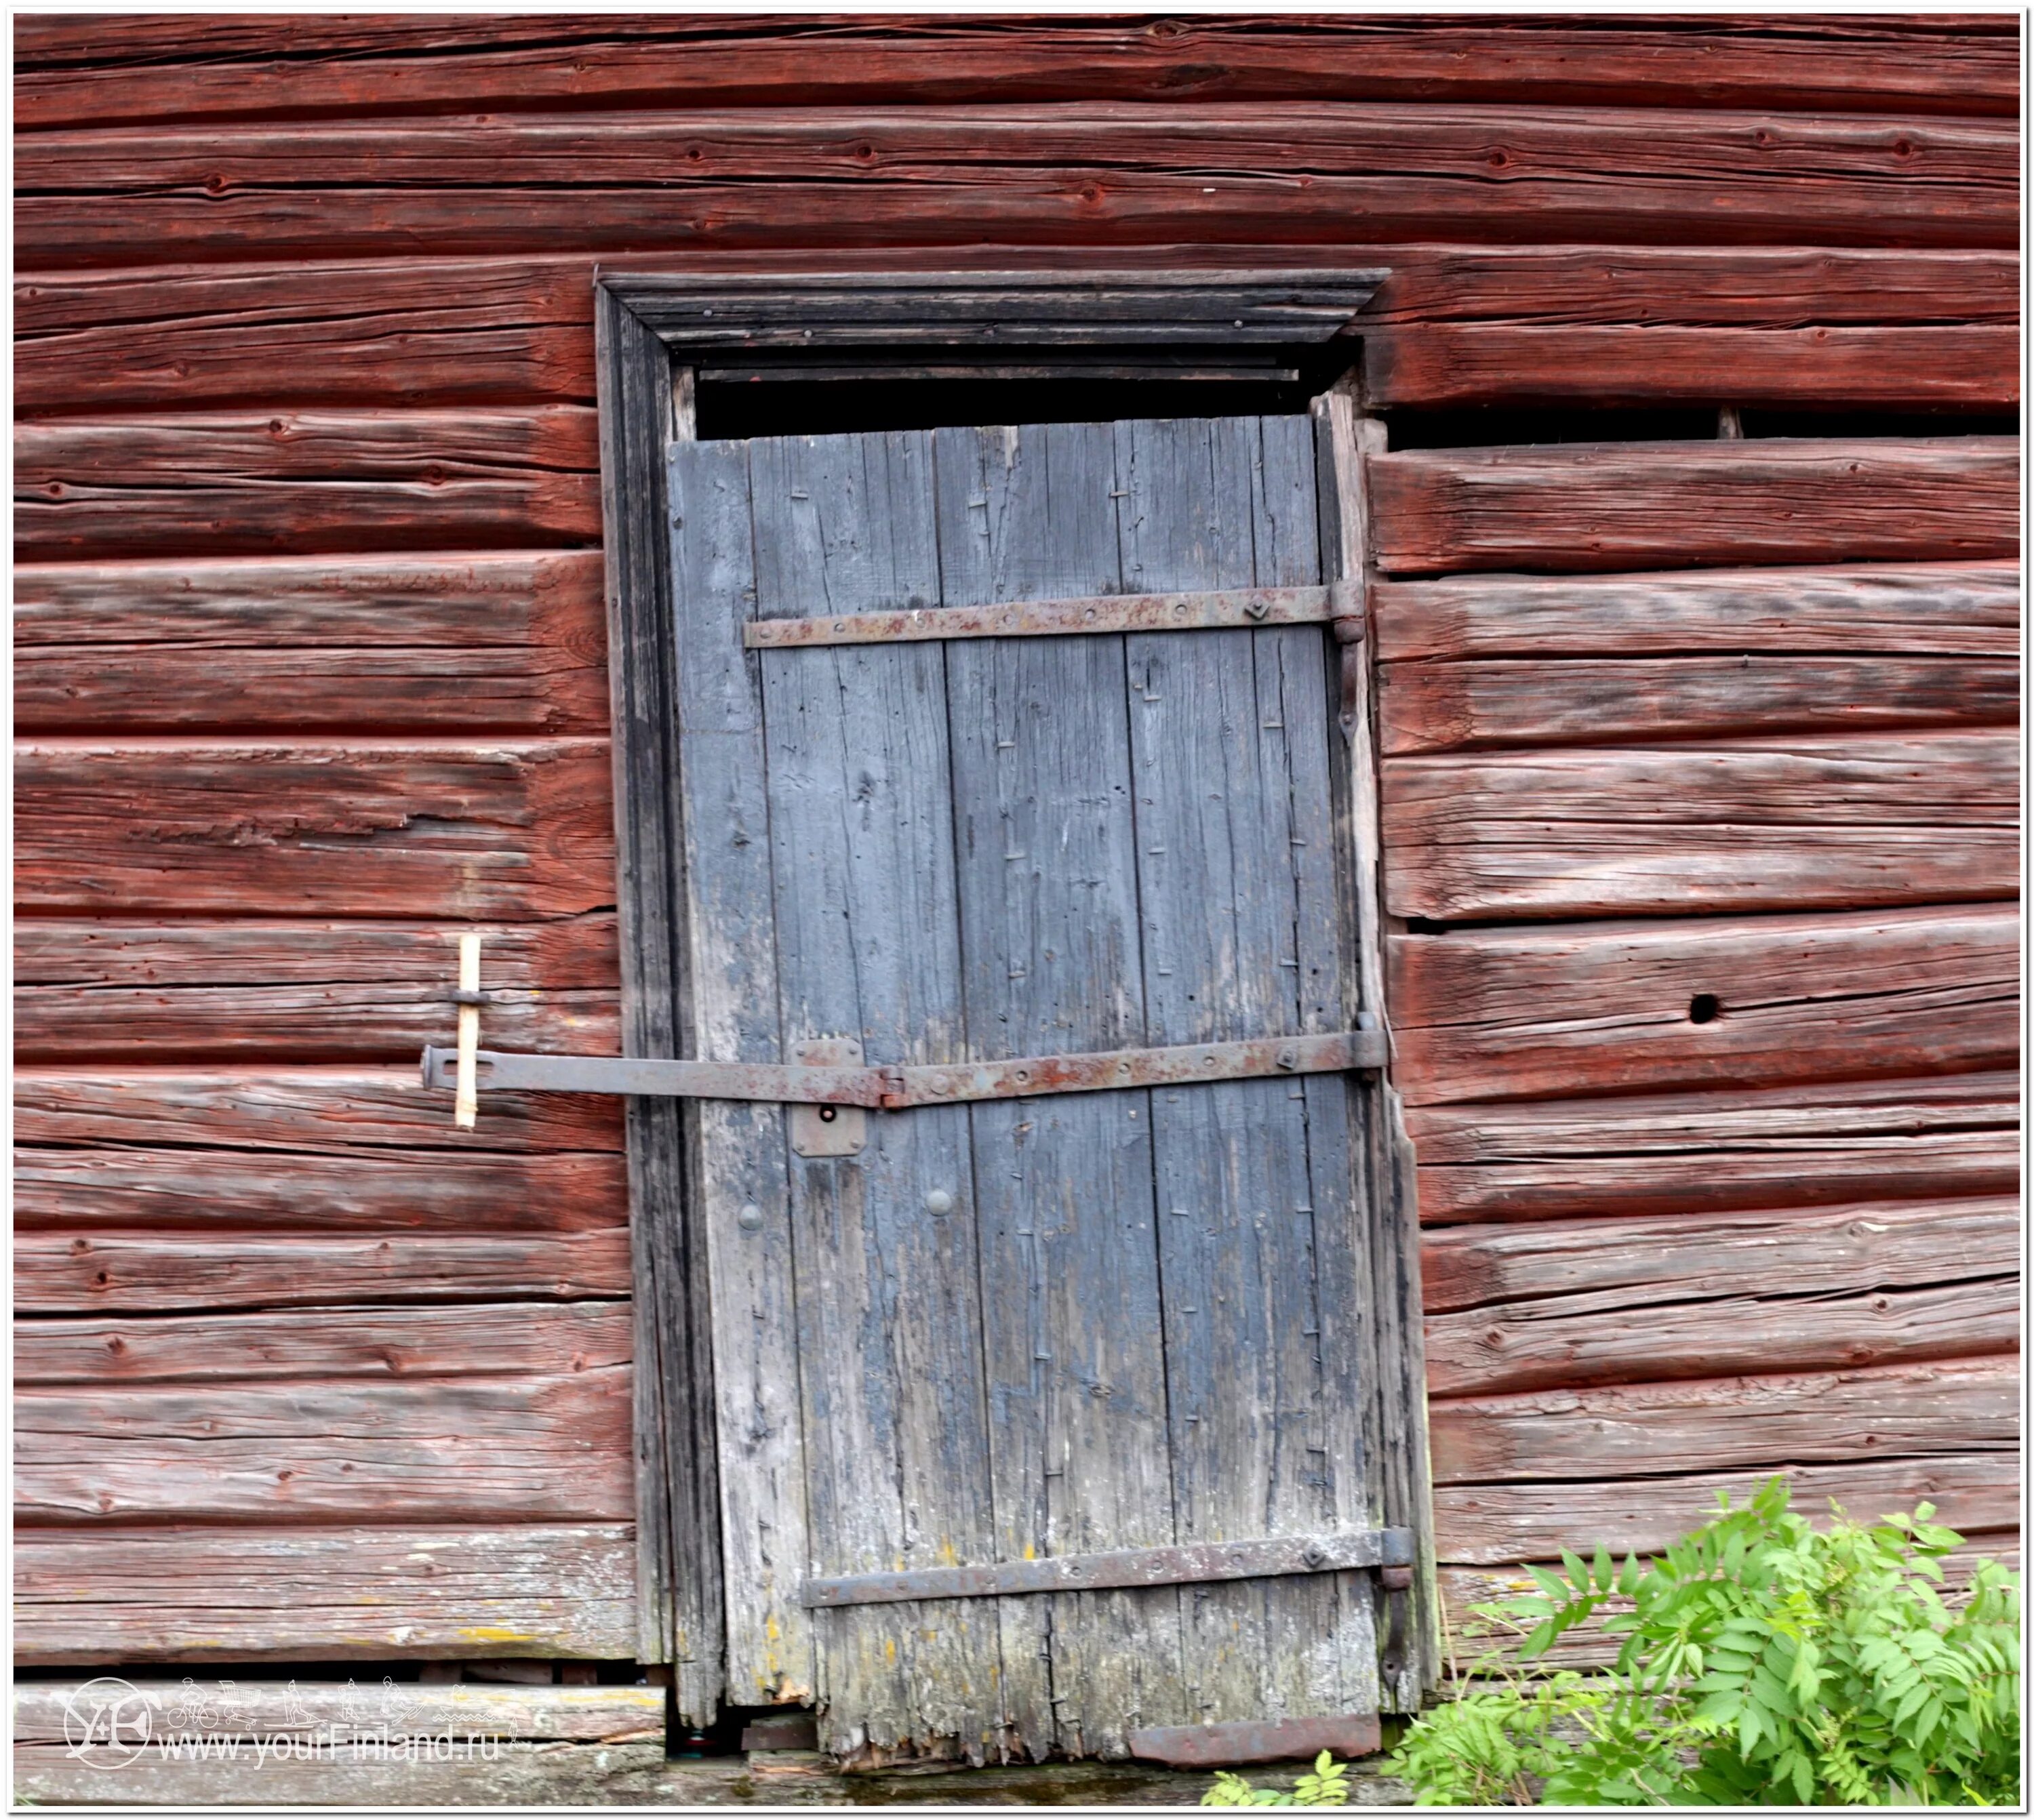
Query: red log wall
x,y
310,676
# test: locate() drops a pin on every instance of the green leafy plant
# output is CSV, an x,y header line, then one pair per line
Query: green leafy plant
x,y
1325,1785
1763,1661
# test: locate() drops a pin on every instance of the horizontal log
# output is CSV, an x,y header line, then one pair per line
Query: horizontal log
x,y
409,333
298,1023
179,1188
390,688
223,483
1825,165
1812,822
316,827
1612,1265
1584,1340
316,1711
1720,1424
572,954
334,1111
229,65
60,1273
1952,368
1488,1014
550,600
504,1340
1529,1520
193,1595
1438,706
1643,505
1481,1645
1777,1146
312,990
1951,609
444,1450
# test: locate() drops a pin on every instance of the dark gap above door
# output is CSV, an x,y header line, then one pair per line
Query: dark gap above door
x,y
768,394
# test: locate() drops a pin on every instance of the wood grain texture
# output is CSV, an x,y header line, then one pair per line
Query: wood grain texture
x,y
1567,1268
888,1309
219,483
506,1340
1504,1014
178,1189
451,1450
1686,505
334,1111
1954,609
1722,1425
1443,706
1533,1520
316,827
612,186
1954,368
512,601
397,333
190,1594
1778,1145
1824,821
1542,1345
307,1708
56,1273
236,66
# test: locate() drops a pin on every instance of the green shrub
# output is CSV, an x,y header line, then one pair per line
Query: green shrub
x,y
1763,1661
1325,1785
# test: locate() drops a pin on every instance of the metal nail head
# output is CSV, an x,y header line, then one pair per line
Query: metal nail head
x,y
938,1201
750,1218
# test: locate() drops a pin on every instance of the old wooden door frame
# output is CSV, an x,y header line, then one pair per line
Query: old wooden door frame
x,y
653,334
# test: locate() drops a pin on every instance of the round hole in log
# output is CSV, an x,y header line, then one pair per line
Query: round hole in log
x,y
1703,1008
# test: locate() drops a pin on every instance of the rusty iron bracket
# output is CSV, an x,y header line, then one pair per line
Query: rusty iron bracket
x,y
1204,610
1190,1563
940,1084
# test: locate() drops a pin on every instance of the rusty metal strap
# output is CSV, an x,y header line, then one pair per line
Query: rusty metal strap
x,y
1189,1564
1224,609
893,1089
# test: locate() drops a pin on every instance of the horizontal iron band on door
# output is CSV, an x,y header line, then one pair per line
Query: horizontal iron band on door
x,y
1188,1564
892,1089
1218,610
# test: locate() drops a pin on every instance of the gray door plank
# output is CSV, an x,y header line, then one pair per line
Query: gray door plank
x,y
889,1330
737,1151
1048,880
1230,741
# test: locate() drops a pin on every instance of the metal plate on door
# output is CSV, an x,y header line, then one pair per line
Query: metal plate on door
x,y
828,1130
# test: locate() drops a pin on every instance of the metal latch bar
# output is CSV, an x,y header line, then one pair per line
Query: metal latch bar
x,y
1188,1564
1202,610
935,1084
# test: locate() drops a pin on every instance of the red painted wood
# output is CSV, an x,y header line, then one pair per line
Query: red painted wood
x,y
1683,505
1326,174
235,65
335,1110
1963,368
316,827
132,1186
1486,1014
1775,1146
1968,609
1716,1425
298,481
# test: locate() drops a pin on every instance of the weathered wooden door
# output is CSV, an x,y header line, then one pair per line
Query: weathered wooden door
x,y
1022,1329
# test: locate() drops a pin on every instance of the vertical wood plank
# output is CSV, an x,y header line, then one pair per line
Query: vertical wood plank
x,y
1236,875
889,1326
678,1499
1395,1413
736,1151
1047,873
